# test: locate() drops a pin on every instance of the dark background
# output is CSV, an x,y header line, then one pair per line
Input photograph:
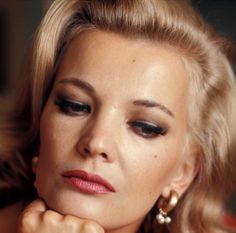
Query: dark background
x,y
19,19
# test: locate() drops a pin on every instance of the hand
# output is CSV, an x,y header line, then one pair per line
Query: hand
x,y
37,219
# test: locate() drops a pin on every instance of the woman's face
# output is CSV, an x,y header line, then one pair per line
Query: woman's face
x,y
117,112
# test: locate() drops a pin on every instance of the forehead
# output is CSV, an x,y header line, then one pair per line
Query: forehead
x,y
130,67
116,46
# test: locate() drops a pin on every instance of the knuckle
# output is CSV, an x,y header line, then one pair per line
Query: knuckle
x,y
70,224
50,217
26,222
68,218
89,226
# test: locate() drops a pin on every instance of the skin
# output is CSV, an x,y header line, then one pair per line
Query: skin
x,y
9,218
140,165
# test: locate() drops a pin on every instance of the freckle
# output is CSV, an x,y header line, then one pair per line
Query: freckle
x,y
155,156
133,60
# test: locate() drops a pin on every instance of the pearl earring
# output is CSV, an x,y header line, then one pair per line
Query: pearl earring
x,y
165,206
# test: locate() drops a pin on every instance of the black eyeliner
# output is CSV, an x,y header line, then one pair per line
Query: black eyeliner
x,y
71,107
148,127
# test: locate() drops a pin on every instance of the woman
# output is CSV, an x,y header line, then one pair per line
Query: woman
x,y
126,111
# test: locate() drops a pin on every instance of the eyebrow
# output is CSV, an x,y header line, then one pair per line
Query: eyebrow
x,y
142,102
78,83
151,104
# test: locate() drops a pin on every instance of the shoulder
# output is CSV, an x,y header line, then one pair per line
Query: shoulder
x,y
9,218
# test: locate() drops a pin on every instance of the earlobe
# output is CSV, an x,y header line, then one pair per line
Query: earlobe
x,y
34,163
184,176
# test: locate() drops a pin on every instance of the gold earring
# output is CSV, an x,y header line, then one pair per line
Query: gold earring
x,y
165,206
34,163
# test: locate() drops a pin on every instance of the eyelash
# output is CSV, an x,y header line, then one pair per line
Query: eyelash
x,y
70,107
147,130
75,108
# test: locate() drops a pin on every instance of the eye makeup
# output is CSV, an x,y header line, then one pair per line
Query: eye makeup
x,y
147,129
71,107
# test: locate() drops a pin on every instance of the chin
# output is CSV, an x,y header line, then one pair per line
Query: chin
x,y
81,207
101,213
96,208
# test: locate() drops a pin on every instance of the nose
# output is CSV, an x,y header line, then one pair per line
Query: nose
x,y
98,140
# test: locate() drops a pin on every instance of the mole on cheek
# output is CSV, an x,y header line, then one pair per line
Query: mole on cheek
x,y
155,156
133,60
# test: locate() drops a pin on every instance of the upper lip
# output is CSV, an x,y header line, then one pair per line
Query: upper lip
x,y
89,177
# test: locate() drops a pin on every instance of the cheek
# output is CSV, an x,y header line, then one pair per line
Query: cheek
x,y
147,178
54,144
50,139
57,134
154,166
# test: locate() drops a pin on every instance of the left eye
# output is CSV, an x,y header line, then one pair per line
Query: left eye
x,y
72,107
147,129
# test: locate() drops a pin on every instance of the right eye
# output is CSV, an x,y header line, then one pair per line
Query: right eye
x,y
72,107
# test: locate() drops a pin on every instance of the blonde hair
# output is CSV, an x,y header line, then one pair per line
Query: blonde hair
x,y
212,92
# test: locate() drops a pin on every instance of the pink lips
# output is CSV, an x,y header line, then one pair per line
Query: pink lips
x,y
87,182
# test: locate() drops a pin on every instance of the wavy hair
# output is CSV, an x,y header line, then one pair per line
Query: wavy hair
x,y
211,130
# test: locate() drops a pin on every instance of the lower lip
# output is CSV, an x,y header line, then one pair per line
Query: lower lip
x,y
87,186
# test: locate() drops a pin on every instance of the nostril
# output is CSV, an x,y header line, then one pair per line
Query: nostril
x,y
86,150
104,155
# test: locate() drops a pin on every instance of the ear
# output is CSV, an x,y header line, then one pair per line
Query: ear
x,y
183,177
34,164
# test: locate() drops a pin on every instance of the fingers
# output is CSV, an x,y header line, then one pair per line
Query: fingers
x,y
36,218
30,215
91,227
36,206
34,215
